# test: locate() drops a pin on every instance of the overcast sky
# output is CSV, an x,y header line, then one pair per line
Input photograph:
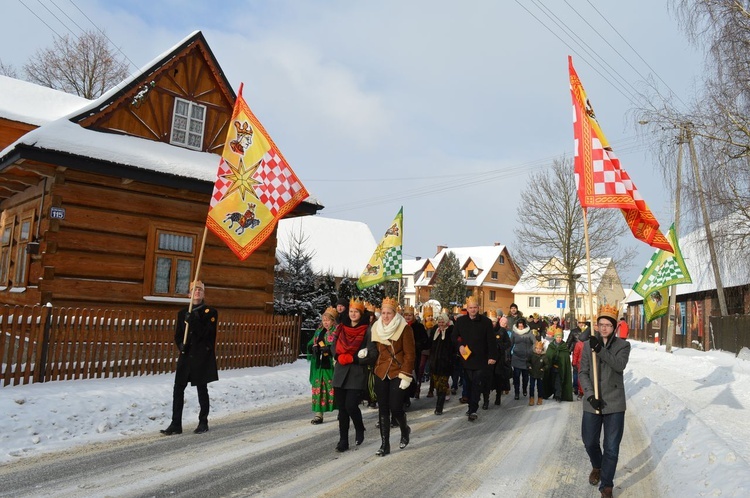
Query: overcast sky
x,y
442,107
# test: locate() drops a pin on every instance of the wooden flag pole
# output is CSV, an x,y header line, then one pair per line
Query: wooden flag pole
x,y
197,272
594,363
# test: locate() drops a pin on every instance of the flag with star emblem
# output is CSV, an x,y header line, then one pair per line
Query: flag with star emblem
x,y
663,270
254,188
386,262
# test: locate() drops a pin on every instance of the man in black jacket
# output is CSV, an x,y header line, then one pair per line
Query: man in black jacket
x,y
197,361
475,340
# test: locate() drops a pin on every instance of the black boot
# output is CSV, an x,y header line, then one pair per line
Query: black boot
x,y
497,398
343,443
486,403
359,436
172,429
405,431
385,437
440,404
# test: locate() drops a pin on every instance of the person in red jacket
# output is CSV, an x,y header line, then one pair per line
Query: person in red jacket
x,y
577,365
622,328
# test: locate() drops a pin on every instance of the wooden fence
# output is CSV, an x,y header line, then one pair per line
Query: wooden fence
x,y
40,344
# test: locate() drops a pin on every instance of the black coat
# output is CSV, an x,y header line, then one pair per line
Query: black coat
x,y
421,340
479,336
442,353
197,362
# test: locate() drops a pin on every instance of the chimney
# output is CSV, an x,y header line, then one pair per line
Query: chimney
x,y
440,248
497,244
419,258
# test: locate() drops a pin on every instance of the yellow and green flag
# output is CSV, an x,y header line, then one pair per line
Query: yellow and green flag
x,y
662,271
386,262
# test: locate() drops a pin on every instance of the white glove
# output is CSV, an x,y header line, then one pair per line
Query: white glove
x,y
362,353
404,384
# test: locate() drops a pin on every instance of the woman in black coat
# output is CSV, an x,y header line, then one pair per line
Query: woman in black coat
x,y
441,359
498,375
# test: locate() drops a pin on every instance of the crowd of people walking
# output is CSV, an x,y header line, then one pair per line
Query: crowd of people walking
x,y
382,356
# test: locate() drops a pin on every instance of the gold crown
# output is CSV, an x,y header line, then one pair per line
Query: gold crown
x,y
370,307
609,311
331,311
409,309
390,302
357,304
471,300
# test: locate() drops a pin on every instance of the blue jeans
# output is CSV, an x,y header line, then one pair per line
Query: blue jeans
x,y
520,374
538,383
603,458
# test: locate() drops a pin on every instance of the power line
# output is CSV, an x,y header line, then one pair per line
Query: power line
x,y
104,34
43,21
634,51
581,43
58,19
576,53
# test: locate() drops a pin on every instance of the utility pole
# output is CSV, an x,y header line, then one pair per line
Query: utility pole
x,y
672,326
706,222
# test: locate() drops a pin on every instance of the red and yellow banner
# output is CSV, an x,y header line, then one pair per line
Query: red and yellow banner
x,y
601,180
255,187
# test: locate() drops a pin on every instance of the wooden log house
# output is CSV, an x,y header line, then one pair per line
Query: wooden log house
x,y
105,207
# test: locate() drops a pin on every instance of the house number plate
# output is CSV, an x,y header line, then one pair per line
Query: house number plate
x,y
57,213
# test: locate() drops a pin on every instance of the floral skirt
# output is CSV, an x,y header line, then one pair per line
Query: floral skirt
x,y
322,392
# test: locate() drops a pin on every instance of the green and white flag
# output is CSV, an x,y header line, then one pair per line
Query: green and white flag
x,y
662,271
386,262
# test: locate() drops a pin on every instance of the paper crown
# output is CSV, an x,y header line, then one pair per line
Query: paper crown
x,y
608,311
370,307
331,311
389,302
472,301
409,309
357,304
492,314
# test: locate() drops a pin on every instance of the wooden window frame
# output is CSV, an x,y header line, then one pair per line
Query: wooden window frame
x,y
493,296
494,275
501,260
189,119
6,249
22,260
153,253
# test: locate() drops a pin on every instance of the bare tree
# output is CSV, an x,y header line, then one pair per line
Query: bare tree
x,y
8,70
718,120
86,66
552,227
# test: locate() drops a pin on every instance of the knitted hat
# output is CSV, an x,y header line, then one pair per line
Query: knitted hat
x,y
342,301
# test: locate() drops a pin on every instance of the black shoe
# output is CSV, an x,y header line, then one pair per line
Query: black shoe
x,y
172,429
438,412
524,394
202,428
359,437
472,417
384,450
342,446
497,400
485,405
405,438
516,397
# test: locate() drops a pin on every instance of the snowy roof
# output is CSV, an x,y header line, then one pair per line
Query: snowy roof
x,y
412,266
338,247
531,283
63,135
34,104
483,256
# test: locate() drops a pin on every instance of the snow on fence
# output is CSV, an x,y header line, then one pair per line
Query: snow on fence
x,y
81,343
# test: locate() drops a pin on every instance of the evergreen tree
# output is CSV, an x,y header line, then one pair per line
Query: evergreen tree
x,y
348,289
374,295
450,286
296,289
327,285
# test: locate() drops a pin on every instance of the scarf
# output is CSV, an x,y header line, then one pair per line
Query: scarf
x,y
350,338
385,334
440,333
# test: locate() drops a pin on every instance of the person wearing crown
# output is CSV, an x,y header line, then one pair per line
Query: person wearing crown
x,y
391,347
320,356
603,415
350,372
474,338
